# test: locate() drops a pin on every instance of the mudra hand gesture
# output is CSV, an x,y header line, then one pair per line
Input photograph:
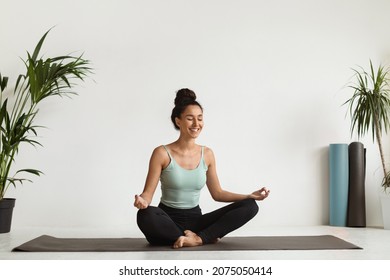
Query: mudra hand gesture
x,y
140,202
260,194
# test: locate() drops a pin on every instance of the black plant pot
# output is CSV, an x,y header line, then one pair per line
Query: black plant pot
x,y
6,208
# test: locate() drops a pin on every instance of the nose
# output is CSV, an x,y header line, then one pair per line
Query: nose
x,y
195,123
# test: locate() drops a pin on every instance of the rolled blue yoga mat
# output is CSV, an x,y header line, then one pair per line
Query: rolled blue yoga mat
x,y
338,184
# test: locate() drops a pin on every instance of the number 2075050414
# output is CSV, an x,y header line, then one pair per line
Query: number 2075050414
x,y
244,270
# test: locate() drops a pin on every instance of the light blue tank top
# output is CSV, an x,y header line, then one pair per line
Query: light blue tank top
x,y
181,187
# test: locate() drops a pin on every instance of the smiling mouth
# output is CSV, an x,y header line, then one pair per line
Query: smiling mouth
x,y
195,129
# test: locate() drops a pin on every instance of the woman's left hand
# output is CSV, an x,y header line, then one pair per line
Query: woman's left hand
x,y
140,202
260,194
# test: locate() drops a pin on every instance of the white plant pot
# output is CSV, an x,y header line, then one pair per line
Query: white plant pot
x,y
385,201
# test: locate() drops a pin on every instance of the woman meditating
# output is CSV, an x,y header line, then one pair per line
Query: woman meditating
x,y
184,167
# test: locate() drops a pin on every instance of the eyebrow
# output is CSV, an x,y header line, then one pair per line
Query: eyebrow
x,y
189,115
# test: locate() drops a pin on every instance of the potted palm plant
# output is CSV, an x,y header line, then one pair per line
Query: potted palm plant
x,y
369,108
43,78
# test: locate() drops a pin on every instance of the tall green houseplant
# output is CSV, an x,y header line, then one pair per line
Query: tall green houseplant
x,y
369,108
43,78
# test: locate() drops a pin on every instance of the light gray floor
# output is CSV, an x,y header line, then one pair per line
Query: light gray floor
x,y
374,241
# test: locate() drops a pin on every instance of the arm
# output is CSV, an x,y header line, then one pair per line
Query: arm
x,y
157,161
215,189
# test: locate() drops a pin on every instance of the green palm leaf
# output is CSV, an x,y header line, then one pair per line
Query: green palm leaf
x,y
369,107
44,78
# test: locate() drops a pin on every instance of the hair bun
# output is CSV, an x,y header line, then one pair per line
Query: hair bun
x,y
184,95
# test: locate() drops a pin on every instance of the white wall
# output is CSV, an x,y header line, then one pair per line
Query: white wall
x,y
271,76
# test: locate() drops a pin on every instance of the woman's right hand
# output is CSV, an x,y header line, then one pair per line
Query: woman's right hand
x,y
140,202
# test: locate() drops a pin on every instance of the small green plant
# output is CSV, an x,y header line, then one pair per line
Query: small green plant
x,y
43,78
369,108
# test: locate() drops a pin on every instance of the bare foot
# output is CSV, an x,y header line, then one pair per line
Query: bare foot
x,y
190,233
215,240
190,239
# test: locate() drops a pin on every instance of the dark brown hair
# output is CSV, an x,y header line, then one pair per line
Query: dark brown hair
x,y
184,98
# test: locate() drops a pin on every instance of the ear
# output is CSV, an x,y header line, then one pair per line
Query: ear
x,y
177,121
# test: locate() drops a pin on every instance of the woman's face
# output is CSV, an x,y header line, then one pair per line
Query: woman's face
x,y
191,121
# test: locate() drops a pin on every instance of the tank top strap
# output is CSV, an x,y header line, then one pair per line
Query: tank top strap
x,y
170,157
202,160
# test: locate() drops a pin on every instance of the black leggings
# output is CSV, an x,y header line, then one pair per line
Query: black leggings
x,y
163,225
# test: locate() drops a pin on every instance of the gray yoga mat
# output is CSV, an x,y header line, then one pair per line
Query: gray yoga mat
x,y
357,175
47,243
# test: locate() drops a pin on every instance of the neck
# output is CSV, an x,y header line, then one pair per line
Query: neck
x,y
186,143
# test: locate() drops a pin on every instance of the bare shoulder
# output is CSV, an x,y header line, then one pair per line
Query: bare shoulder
x,y
208,151
209,155
160,156
159,150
